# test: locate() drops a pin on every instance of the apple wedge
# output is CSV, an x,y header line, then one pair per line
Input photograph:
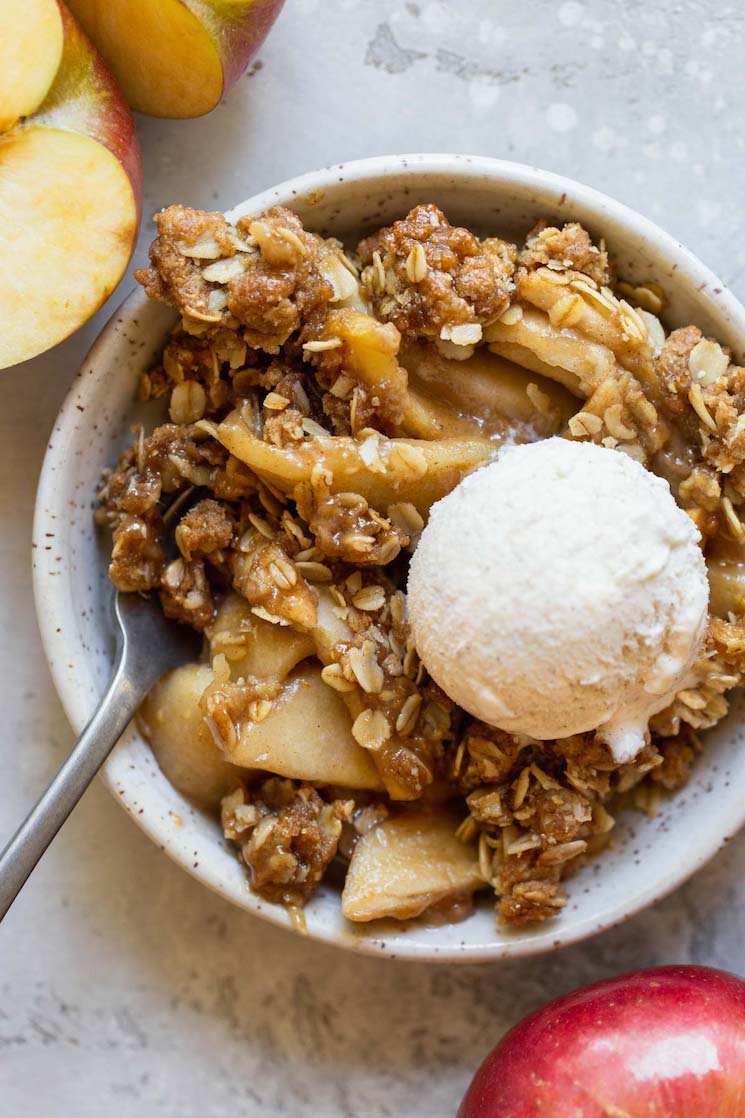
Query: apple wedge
x,y
172,722
419,471
254,647
307,735
70,185
176,58
406,865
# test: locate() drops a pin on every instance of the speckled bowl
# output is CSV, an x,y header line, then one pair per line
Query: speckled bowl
x,y
73,597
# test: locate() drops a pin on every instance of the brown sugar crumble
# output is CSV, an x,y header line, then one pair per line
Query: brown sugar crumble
x,y
292,403
435,280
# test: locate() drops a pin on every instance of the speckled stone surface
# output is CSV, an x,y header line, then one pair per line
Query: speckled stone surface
x,y
128,990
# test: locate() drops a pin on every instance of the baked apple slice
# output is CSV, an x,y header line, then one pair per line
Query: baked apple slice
x,y
254,647
482,395
307,735
173,723
382,470
406,865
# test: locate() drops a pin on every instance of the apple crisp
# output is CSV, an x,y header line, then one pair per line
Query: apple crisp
x,y
320,400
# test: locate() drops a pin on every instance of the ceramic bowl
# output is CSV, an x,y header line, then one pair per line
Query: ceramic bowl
x,y
73,596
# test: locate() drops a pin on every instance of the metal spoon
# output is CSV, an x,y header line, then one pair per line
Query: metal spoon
x,y
147,644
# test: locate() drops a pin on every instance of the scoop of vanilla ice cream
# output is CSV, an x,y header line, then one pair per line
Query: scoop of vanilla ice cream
x,y
558,590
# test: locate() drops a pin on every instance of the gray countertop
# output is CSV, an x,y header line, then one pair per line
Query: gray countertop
x,y
127,989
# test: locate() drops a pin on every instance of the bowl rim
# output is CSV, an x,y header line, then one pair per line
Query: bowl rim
x,y
502,173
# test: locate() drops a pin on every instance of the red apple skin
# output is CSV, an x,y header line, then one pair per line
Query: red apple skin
x,y
239,37
85,98
662,1043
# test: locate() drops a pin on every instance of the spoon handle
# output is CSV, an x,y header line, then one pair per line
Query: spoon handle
x,y
110,720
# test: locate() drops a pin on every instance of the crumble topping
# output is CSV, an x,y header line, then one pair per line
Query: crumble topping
x,y
346,528
287,836
205,529
433,279
570,247
259,280
185,593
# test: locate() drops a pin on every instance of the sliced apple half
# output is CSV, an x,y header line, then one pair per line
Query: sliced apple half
x,y
70,185
176,58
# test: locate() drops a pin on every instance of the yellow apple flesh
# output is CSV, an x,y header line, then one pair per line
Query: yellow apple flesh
x,y
407,864
30,51
70,185
176,58
307,735
172,722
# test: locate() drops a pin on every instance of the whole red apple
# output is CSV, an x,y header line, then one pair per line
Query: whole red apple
x,y
662,1043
